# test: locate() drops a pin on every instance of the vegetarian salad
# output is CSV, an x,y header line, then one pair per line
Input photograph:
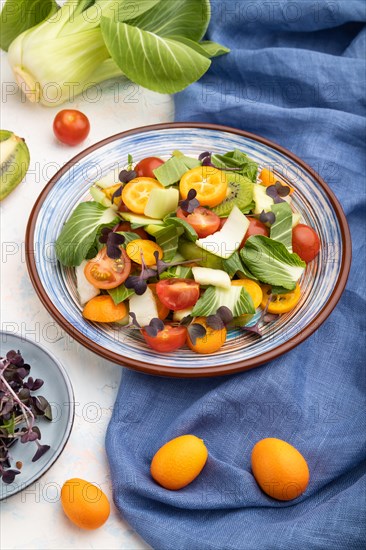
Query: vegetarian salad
x,y
186,248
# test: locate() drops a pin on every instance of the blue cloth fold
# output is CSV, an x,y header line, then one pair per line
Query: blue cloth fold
x,y
296,75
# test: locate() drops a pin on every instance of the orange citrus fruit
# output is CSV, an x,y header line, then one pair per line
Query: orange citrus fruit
x,y
279,469
142,248
84,503
269,178
211,342
102,309
209,183
136,193
179,462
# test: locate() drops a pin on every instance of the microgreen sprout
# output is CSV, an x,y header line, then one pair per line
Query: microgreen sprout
x,y
196,330
277,191
190,203
138,282
267,217
154,327
162,266
113,242
206,159
221,319
127,175
19,410
265,317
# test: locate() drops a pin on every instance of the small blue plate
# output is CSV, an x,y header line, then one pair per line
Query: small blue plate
x,y
57,389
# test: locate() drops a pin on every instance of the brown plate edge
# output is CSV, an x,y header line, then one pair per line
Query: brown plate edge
x,y
175,372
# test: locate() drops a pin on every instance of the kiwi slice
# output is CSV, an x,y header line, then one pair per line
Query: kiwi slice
x,y
14,162
239,193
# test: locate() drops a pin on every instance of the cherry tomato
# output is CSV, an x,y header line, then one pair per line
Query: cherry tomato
x,y
222,223
305,242
256,227
203,221
103,272
71,127
178,293
145,168
169,339
126,226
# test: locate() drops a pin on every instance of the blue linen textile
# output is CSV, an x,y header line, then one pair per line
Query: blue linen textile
x,y
296,75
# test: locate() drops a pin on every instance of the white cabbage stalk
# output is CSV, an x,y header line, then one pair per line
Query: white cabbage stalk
x,y
61,57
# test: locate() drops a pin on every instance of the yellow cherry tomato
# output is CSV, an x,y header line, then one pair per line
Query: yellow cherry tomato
x,y
253,289
210,184
141,247
137,192
211,342
280,303
269,178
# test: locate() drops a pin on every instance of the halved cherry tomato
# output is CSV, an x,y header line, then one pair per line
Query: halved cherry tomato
x,y
280,303
126,226
210,184
178,293
163,311
145,168
256,227
137,192
222,223
305,242
71,126
211,342
140,247
103,272
253,289
269,178
203,221
102,309
169,339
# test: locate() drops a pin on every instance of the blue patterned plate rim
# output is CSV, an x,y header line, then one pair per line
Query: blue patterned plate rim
x,y
201,371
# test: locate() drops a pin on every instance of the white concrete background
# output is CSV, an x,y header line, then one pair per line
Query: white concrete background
x,y
34,518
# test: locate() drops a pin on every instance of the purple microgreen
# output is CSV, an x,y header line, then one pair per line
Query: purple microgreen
x,y
117,193
267,217
222,317
204,155
186,321
154,327
8,476
270,317
15,358
19,410
136,283
113,241
196,330
42,449
256,329
127,175
190,203
215,322
134,320
163,266
225,313
277,191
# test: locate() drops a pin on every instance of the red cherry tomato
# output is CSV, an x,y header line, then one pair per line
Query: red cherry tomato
x,y
71,127
169,339
126,226
178,294
305,242
103,272
145,168
222,222
203,221
256,227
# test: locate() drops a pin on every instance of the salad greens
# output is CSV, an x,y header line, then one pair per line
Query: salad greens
x,y
271,262
237,299
281,228
80,231
155,43
191,268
